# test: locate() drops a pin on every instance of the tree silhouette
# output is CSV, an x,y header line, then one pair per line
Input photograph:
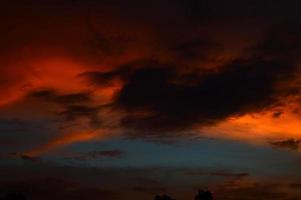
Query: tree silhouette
x,y
163,197
203,195
14,196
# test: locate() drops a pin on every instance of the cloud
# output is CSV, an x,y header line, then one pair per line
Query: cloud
x,y
73,105
25,157
295,185
22,156
114,153
74,112
220,173
153,80
196,49
204,10
65,139
292,144
121,72
108,153
160,68
64,99
156,99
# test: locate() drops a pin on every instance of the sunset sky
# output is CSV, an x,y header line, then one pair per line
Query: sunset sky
x,y
126,99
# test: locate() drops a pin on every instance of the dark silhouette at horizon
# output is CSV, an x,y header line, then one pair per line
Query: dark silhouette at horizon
x,y
163,197
14,196
201,195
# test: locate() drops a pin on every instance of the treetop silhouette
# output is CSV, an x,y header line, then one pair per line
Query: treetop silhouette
x,y
201,195
14,196
163,197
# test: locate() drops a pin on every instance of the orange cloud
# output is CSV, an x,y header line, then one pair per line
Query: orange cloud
x,y
258,128
57,73
66,139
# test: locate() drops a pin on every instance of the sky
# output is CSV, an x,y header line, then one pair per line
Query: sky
x,y
126,99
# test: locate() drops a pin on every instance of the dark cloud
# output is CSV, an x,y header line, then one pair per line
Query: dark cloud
x,y
197,49
64,99
265,9
123,72
240,87
25,157
74,105
29,158
277,114
114,153
100,78
100,46
295,185
221,173
292,144
163,93
109,153
158,96
74,112
19,155
281,43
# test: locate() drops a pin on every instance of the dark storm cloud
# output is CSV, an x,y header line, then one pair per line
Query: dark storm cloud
x,y
240,87
292,144
157,97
